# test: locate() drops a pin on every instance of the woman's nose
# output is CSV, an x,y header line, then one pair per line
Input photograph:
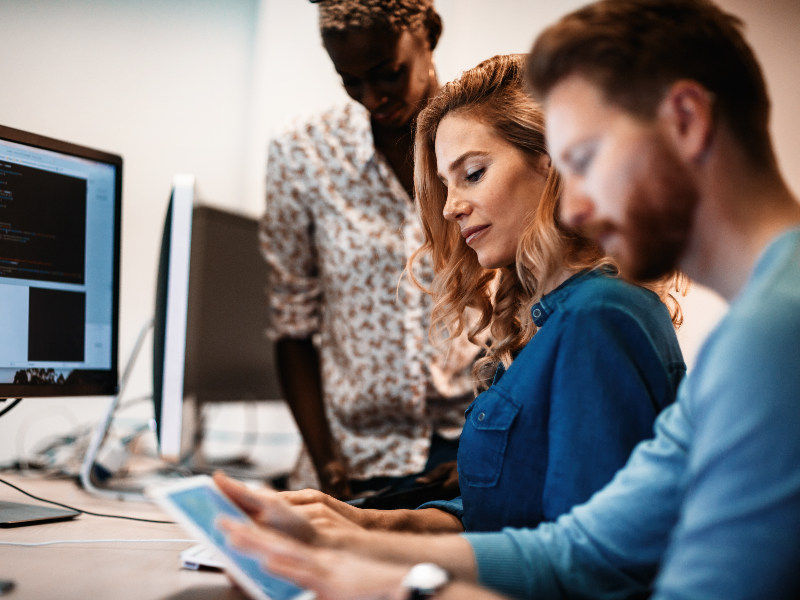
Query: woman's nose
x,y
455,207
372,98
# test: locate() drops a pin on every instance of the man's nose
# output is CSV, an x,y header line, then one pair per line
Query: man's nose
x,y
577,207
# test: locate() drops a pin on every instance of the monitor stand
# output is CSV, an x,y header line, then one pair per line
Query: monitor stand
x,y
15,514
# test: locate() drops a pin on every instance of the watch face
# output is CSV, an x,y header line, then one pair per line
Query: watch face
x,y
424,579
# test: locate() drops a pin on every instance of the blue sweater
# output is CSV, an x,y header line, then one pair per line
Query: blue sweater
x,y
566,415
710,508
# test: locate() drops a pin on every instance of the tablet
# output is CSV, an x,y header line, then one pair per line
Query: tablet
x,y
196,503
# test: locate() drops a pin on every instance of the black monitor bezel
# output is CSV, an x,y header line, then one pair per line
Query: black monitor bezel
x,y
107,381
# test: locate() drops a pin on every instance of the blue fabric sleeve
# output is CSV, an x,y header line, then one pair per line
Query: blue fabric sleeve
x,y
608,548
454,507
739,528
608,386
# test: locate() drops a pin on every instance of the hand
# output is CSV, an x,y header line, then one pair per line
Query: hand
x,y
446,472
265,508
316,505
333,480
312,523
333,575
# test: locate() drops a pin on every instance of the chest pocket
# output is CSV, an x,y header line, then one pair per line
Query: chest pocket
x,y
484,438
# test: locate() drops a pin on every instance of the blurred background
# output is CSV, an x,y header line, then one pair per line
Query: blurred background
x,y
196,86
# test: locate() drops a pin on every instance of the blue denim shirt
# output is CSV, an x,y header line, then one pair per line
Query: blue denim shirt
x,y
708,509
556,426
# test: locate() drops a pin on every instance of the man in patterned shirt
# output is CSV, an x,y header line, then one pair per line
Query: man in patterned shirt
x,y
375,403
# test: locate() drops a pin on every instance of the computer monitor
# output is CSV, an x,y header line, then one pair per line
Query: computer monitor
x,y
60,208
211,319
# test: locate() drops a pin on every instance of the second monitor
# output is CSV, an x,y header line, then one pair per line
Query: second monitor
x,y
211,316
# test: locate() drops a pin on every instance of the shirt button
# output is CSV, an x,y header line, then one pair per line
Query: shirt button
x,y
481,416
536,313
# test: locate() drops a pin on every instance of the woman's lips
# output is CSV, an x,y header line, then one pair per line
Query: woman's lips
x,y
387,115
472,233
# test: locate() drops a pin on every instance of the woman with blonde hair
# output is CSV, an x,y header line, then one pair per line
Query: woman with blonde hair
x,y
376,404
583,361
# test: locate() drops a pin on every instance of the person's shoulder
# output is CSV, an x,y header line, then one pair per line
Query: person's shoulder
x,y
763,323
343,121
603,291
751,357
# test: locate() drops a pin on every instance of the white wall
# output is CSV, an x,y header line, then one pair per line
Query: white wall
x,y
164,83
196,86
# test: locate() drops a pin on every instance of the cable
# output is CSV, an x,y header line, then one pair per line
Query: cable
x,y
10,406
85,512
51,543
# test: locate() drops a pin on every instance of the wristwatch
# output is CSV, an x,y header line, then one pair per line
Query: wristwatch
x,y
424,580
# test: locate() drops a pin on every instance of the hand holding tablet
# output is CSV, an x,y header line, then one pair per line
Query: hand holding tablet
x,y
197,504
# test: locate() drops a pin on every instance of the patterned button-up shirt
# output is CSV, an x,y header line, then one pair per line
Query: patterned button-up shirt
x,y
337,232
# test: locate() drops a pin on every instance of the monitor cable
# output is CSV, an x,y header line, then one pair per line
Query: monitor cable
x,y
84,512
10,406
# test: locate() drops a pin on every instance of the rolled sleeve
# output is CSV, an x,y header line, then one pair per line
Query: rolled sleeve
x,y
286,236
455,507
513,563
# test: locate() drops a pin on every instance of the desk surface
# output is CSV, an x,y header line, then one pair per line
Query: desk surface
x,y
139,571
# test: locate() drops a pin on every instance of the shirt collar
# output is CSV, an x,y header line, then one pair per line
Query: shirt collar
x,y
545,307
363,142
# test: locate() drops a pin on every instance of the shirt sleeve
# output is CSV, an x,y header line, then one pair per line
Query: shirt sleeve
x,y
286,235
455,507
739,530
608,548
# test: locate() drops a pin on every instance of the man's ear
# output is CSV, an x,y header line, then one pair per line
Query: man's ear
x,y
543,164
687,113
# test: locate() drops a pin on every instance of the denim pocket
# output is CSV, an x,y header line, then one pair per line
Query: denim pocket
x,y
483,440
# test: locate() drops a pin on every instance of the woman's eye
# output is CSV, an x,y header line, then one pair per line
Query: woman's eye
x,y
393,75
350,82
475,175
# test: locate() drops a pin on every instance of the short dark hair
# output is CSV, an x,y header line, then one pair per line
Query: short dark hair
x,y
633,50
338,16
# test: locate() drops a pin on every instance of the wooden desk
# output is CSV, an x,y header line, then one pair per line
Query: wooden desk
x,y
118,571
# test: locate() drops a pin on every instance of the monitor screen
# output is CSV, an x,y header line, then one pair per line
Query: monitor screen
x,y
59,267
211,315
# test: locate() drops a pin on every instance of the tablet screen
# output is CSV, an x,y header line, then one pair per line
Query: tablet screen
x,y
204,505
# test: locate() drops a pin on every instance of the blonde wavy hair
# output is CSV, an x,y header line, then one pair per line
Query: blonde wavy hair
x,y
467,297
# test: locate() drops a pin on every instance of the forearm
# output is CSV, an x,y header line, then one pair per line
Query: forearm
x,y
426,520
451,552
301,381
466,591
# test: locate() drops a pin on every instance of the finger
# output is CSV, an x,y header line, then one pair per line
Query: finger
x,y
452,481
439,472
308,496
276,514
266,508
250,539
245,498
304,573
